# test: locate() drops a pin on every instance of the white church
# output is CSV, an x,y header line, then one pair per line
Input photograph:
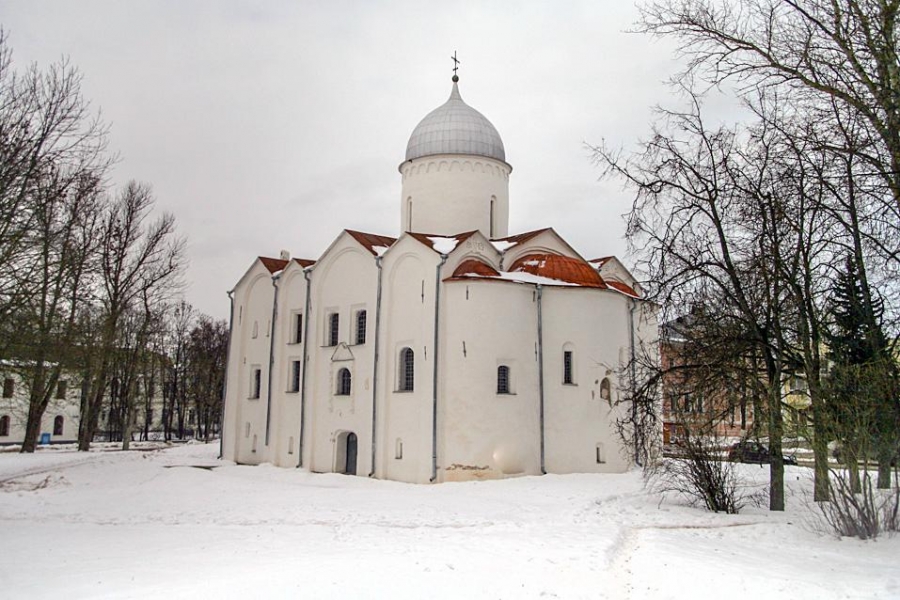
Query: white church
x,y
455,351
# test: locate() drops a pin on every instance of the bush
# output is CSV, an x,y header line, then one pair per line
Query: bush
x,y
697,471
865,514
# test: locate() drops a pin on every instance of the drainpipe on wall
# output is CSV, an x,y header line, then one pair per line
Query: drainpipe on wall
x,y
632,305
225,382
435,353
306,317
271,355
375,361
540,333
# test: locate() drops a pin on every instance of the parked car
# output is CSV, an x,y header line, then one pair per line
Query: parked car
x,y
749,451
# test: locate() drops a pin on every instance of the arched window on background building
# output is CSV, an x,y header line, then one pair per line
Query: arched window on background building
x,y
58,424
4,426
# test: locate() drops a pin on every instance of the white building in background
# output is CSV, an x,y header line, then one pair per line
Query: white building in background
x,y
62,417
452,352
59,424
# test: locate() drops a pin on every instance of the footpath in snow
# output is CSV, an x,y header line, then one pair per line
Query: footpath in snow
x,y
178,523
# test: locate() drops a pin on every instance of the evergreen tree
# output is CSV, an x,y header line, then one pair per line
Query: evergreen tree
x,y
862,384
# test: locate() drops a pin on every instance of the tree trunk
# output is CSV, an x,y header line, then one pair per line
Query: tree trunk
x,y
822,486
776,428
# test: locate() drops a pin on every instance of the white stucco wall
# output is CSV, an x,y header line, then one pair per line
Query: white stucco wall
x,y
407,321
483,434
344,281
452,194
245,417
593,324
284,441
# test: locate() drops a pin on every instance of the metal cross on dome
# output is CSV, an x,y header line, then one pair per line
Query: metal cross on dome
x,y
455,63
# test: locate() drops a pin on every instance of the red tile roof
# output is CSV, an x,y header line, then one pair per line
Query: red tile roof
x,y
561,268
303,262
473,266
370,240
273,264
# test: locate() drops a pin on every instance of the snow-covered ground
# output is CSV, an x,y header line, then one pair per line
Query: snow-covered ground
x,y
163,524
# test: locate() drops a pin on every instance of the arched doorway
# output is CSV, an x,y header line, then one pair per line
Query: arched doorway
x,y
345,453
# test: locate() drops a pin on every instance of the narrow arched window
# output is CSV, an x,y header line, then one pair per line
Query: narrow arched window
x,y
493,206
58,423
334,327
409,208
4,426
502,379
343,382
568,367
407,370
361,327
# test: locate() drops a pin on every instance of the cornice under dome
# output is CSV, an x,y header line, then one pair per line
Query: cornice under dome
x,y
455,128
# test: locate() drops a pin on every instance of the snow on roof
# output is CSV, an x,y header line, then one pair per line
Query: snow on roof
x,y
543,269
504,244
442,244
520,277
556,267
622,288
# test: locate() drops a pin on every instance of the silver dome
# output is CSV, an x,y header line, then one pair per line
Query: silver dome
x,y
455,128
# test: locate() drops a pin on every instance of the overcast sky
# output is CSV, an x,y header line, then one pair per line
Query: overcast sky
x,y
273,125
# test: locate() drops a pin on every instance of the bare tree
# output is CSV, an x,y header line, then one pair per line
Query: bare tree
x,y
52,164
49,140
47,321
711,217
140,265
833,58
206,354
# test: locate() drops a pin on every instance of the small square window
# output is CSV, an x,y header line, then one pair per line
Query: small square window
x,y
601,454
